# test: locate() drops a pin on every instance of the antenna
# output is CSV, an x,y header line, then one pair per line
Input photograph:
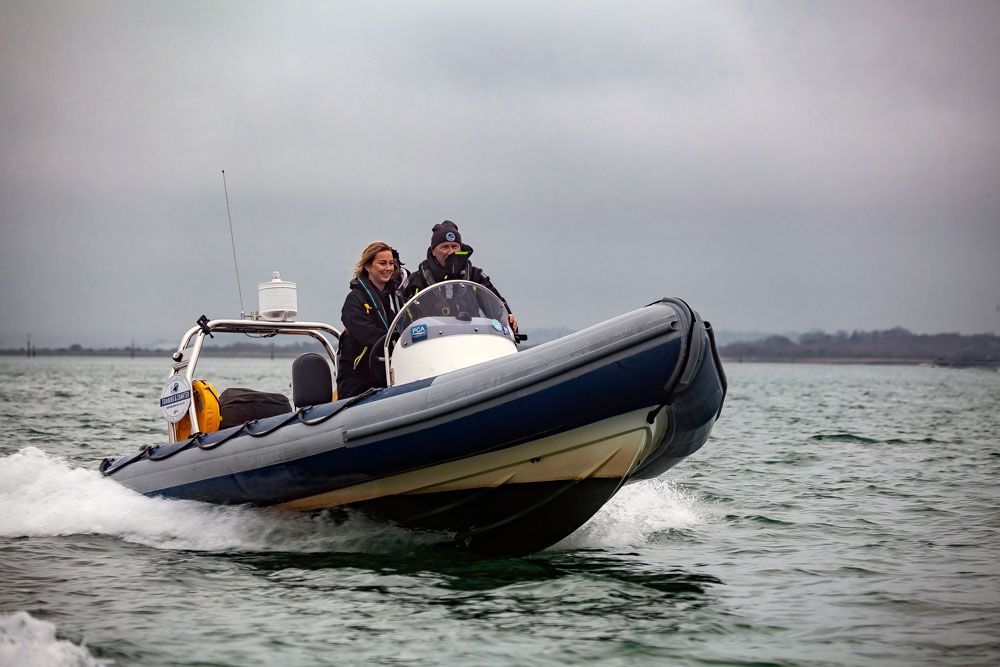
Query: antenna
x,y
233,240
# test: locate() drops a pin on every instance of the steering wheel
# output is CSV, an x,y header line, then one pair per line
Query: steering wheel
x,y
376,362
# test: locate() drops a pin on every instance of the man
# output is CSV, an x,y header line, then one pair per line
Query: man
x,y
448,259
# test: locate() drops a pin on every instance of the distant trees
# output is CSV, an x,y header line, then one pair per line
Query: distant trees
x,y
892,344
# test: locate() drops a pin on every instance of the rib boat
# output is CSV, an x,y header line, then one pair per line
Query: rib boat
x,y
501,450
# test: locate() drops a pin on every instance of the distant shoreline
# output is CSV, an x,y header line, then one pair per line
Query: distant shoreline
x,y
728,360
876,361
892,347
896,347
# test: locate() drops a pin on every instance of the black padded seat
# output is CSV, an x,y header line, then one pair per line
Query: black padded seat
x,y
312,382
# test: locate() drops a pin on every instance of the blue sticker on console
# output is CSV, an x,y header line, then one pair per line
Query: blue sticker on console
x,y
418,332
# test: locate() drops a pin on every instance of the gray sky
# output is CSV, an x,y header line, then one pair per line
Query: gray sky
x,y
781,166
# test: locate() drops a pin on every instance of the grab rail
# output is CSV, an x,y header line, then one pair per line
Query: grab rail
x,y
187,355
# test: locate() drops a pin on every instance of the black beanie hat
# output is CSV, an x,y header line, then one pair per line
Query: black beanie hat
x,y
443,232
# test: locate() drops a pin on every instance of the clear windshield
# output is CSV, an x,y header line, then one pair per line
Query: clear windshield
x,y
456,300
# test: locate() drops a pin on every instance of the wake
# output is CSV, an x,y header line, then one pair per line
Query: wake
x,y
634,517
44,496
26,641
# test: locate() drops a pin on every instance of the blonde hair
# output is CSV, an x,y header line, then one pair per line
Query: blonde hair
x,y
368,256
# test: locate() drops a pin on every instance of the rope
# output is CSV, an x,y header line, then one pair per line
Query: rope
x,y
195,439
351,401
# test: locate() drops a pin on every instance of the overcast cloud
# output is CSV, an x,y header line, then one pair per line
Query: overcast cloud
x,y
781,166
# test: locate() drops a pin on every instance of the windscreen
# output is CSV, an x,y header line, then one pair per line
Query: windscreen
x,y
457,299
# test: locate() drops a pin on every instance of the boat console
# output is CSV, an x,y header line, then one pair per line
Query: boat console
x,y
450,325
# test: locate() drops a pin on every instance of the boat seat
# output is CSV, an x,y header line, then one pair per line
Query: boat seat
x,y
312,383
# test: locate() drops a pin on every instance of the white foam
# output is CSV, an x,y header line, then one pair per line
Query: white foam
x,y
29,642
634,516
43,495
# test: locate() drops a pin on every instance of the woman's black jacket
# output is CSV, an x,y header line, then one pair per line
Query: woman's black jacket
x,y
366,316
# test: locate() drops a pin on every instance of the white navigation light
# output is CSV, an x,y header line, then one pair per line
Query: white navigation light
x,y
277,300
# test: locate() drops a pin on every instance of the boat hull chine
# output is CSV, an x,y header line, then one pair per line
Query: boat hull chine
x,y
511,501
507,520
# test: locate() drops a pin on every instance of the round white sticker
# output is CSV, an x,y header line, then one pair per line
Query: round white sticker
x,y
176,398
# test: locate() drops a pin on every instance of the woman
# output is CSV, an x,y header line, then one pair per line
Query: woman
x,y
367,313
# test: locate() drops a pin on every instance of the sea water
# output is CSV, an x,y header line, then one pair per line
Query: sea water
x,y
838,515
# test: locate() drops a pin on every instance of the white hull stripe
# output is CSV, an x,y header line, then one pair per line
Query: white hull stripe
x,y
607,449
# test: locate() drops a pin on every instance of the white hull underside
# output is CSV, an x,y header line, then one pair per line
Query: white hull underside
x,y
609,449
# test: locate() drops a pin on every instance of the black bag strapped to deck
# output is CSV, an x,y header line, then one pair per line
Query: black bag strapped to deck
x,y
239,405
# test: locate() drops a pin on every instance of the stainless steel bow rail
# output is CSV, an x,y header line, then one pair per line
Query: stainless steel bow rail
x,y
189,350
